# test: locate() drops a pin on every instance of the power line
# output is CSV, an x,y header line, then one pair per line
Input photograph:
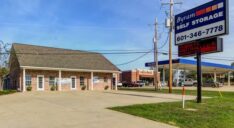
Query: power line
x,y
135,59
119,50
218,59
164,44
70,53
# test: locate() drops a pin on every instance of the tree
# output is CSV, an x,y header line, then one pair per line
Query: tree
x,y
4,53
232,64
232,72
3,71
191,74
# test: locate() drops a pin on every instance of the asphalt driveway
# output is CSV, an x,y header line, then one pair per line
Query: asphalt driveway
x,y
76,109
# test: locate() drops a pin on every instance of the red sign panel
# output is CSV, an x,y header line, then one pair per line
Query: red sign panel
x,y
206,46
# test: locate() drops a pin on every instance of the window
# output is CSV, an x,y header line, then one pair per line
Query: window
x,y
52,81
28,80
105,79
81,81
96,79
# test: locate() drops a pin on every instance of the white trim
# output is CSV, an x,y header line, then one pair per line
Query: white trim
x,y
116,81
43,83
91,80
164,76
71,83
215,77
24,82
229,79
60,78
68,69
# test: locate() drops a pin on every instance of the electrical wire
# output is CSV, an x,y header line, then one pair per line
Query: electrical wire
x,y
72,53
164,44
135,59
218,59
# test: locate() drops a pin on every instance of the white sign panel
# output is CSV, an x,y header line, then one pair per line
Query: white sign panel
x,y
205,21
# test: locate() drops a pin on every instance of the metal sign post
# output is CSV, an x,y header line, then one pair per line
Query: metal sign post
x,y
199,78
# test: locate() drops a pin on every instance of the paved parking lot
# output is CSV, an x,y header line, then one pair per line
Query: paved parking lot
x,y
76,109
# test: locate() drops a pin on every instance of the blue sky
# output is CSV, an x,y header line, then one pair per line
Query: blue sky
x,y
95,25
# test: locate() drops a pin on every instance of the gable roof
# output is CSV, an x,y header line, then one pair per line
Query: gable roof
x,y
40,56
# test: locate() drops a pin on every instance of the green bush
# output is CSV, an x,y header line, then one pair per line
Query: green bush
x,y
106,87
53,88
6,92
29,88
83,87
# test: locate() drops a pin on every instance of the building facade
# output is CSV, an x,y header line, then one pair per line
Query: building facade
x,y
138,75
42,68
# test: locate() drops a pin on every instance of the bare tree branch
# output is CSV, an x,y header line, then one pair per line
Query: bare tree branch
x,y
4,48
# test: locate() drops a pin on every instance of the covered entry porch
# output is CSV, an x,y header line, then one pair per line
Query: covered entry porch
x,y
41,79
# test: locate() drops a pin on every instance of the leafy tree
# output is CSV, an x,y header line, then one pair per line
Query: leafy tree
x,y
191,74
232,64
232,72
3,71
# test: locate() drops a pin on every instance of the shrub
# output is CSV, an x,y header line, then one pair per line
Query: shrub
x,y
106,87
53,88
83,87
29,88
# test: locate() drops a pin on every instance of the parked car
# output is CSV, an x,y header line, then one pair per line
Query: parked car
x,y
120,84
141,83
190,82
213,84
163,84
131,84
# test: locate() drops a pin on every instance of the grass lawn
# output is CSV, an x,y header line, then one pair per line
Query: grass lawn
x,y
217,112
6,92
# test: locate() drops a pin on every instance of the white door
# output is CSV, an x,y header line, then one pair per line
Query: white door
x,y
40,83
73,83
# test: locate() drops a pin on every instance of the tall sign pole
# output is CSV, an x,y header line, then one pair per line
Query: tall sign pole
x,y
156,55
199,77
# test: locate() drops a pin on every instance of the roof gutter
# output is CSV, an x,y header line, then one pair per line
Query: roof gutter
x,y
68,69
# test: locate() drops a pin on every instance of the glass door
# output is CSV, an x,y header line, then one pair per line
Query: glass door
x,y
40,83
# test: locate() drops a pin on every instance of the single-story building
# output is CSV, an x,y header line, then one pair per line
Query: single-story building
x,y
42,68
138,75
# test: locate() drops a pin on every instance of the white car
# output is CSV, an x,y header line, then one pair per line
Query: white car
x,y
119,84
190,82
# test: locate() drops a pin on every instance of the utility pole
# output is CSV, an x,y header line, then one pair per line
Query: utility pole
x,y
170,46
156,55
171,4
